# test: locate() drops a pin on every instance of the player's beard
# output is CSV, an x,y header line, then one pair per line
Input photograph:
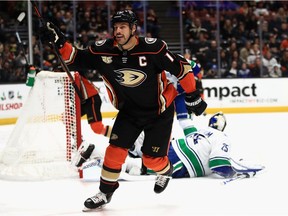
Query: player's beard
x,y
121,40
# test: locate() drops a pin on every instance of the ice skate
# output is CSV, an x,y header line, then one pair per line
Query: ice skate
x,y
161,183
163,179
97,202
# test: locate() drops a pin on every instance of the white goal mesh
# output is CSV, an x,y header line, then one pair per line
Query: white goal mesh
x,y
47,132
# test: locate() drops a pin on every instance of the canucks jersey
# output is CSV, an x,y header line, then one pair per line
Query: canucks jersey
x,y
200,153
135,79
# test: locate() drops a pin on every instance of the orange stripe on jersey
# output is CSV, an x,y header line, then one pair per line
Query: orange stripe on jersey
x,y
188,83
101,53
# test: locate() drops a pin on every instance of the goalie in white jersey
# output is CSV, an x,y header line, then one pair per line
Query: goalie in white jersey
x,y
202,152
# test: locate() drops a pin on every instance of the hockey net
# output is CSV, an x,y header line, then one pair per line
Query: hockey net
x,y
47,132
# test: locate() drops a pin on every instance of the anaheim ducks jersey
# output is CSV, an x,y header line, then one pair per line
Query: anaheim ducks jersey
x,y
135,79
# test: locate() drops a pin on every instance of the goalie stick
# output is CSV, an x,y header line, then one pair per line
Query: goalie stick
x,y
19,19
238,177
64,65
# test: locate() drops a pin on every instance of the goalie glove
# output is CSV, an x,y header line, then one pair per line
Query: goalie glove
x,y
52,34
194,103
83,154
244,169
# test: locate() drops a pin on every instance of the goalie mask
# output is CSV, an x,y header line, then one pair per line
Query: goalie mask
x,y
218,121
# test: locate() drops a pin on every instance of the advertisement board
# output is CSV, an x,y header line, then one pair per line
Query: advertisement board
x,y
227,95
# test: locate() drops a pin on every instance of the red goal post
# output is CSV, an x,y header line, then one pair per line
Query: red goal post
x,y
47,132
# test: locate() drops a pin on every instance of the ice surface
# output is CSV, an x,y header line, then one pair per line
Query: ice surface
x,y
258,137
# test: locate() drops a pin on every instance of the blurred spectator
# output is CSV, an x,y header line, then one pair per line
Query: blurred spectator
x,y
152,23
233,71
224,63
188,22
2,28
274,46
240,33
232,52
68,22
243,9
274,23
7,53
283,31
254,53
261,9
244,51
211,72
244,71
271,62
276,71
251,24
83,40
84,21
235,57
284,43
50,60
207,24
226,31
257,67
284,63
282,13
193,31
199,47
6,71
265,30
211,55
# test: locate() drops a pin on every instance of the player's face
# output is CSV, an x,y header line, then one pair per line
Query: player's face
x,y
121,32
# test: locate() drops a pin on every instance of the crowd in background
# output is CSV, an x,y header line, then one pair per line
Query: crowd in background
x,y
241,30
243,27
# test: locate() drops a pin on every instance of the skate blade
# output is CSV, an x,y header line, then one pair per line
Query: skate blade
x,y
85,209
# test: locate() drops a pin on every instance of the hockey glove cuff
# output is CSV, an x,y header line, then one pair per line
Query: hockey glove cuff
x,y
194,103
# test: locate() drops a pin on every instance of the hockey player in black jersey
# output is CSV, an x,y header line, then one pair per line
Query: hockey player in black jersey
x,y
133,69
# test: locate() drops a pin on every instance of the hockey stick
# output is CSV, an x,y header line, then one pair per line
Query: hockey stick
x,y
64,65
19,19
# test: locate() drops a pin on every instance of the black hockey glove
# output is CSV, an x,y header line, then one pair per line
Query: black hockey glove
x,y
52,34
194,103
